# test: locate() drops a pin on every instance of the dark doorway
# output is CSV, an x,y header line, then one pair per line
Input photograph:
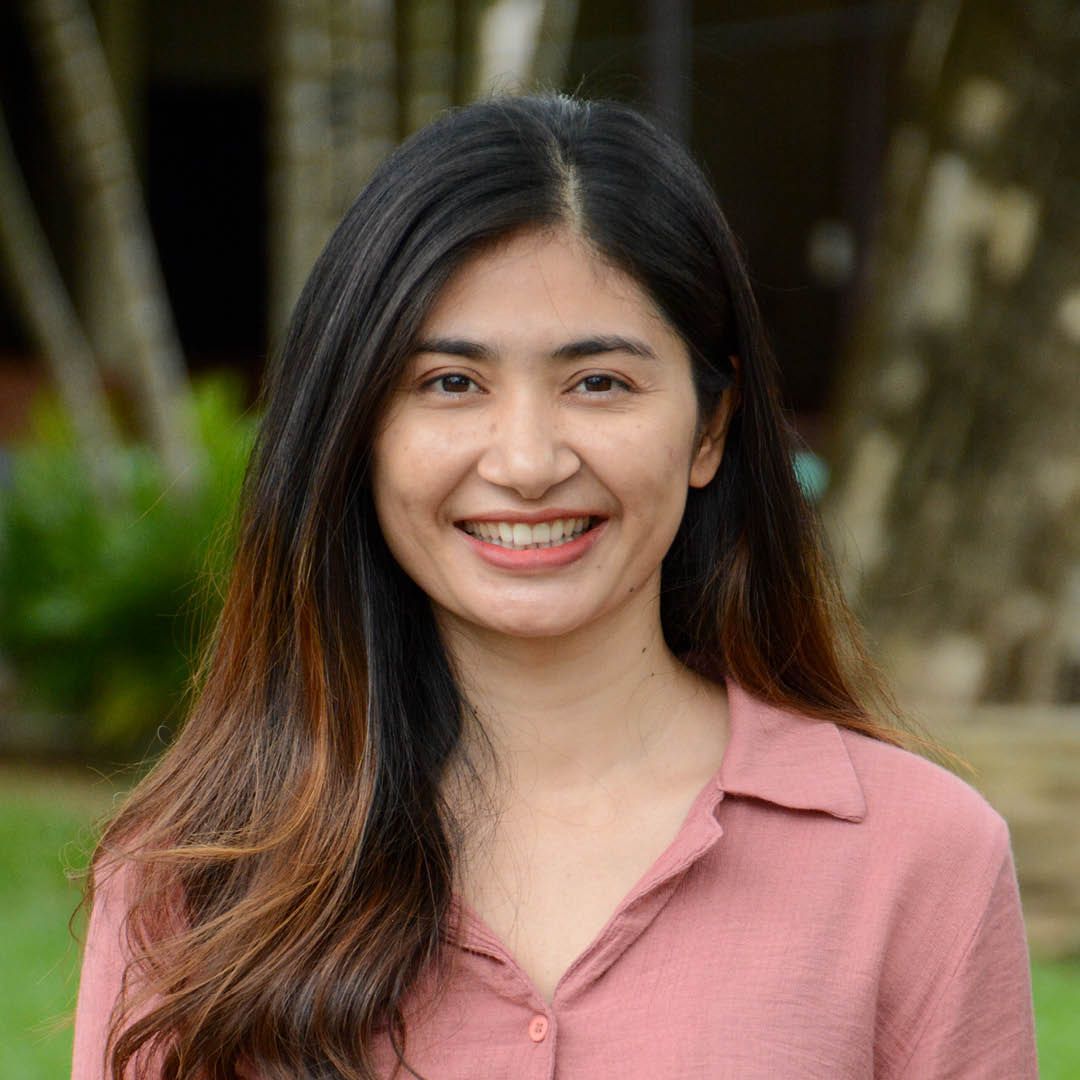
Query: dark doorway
x,y
206,170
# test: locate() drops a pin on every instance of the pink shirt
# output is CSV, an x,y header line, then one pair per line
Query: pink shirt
x,y
832,907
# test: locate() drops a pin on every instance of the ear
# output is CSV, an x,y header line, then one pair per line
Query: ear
x,y
710,445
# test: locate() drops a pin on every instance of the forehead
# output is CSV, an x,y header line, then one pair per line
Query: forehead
x,y
536,280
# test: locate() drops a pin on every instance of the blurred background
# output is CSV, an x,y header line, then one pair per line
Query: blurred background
x,y
904,177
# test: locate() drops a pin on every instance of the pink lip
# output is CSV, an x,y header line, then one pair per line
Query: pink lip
x,y
534,558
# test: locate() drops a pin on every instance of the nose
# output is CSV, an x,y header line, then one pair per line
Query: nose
x,y
525,449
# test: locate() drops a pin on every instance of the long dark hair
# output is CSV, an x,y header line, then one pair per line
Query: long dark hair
x,y
290,859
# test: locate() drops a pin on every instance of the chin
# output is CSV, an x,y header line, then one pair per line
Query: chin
x,y
532,628
537,624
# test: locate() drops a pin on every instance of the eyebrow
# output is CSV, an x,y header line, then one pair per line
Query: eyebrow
x,y
595,345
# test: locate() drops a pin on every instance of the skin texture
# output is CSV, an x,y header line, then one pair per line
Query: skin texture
x,y
568,664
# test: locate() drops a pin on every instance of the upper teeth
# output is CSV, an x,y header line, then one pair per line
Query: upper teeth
x,y
518,534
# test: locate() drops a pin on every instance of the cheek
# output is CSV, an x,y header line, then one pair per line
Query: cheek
x,y
653,452
404,509
648,475
401,498
413,471
393,479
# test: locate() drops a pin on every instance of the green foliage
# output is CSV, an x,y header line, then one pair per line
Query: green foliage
x,y
102,608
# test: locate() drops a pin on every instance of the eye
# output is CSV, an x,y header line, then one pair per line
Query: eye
x,y
602,384
453,384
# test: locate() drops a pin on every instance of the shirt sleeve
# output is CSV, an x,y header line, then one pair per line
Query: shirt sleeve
x,y
982,1024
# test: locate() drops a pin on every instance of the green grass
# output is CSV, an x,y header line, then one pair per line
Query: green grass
x,y
45,820
1056,987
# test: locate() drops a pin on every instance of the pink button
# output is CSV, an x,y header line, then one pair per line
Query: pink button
x,y
538,1026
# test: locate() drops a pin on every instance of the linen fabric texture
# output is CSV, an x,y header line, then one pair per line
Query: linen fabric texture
x,y
832,907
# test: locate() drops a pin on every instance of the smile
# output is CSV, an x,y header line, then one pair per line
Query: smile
x,y
518,536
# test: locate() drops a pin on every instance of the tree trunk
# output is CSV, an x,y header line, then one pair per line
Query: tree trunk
x,y
47,311
956,496
121,28
551,56
524,45
81,96
670,32
429,84
364,92
301,148
508,33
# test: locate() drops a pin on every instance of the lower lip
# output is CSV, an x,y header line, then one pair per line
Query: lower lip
x,y
535,558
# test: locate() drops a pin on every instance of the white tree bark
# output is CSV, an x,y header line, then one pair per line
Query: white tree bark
x,y
508,36
524,45
957,488
120,26
82,100
47,311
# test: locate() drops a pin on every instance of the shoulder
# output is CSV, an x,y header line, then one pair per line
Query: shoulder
x,y
112,984
926,824
954,969
929,795
104,964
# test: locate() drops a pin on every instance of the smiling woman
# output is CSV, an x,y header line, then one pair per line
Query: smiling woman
x,y
569,441
535,737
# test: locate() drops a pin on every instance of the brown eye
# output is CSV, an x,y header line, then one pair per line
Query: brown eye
x,y
450,384
602,384
598,382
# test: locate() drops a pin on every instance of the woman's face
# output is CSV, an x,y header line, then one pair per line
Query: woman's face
x,y
546,396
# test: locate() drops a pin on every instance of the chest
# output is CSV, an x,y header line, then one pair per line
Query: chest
x,y
547,887
751,969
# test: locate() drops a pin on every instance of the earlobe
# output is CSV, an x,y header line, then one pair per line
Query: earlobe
x,y
707,460
710,448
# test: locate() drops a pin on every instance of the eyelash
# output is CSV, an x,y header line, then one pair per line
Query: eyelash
x,y
430,384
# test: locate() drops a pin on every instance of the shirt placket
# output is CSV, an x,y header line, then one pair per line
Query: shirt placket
x,y
540,1021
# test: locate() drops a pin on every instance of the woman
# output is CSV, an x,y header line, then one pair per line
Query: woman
x,y
534,738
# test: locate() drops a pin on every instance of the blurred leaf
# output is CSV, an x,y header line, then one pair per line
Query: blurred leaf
x,y
100,609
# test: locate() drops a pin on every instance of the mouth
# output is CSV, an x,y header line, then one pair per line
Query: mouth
x,y
519,536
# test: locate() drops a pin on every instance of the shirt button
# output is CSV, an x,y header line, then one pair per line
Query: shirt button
x,y
538,1026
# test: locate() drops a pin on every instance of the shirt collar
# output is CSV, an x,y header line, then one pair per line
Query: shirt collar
x,y
785,758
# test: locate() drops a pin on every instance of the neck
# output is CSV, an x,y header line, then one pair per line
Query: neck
x,y
593,710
